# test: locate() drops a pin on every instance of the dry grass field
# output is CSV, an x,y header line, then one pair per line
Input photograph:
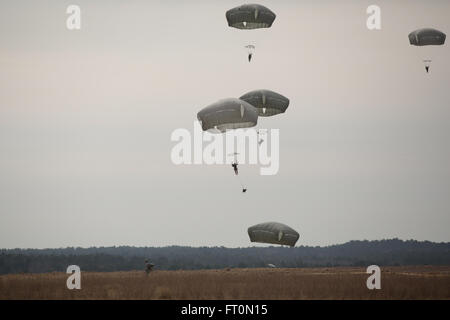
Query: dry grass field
x,y
309,283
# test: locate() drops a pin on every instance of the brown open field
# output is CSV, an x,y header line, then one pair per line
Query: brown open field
x,y
309,283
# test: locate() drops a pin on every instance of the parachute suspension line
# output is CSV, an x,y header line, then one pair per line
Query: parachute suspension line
x,y
244,189
236,170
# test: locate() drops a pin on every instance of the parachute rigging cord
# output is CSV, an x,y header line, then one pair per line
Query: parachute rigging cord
x,y
236,173
244,189
234,165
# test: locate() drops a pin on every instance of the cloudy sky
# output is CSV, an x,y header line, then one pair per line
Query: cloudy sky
x,y
86,118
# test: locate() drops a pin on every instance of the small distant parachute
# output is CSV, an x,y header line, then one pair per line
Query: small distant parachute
x,y
250,16
267,102
427,37
274,233
251,51
227,114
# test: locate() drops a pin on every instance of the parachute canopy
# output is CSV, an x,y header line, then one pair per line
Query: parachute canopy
x,y
426,37
227,114
250,16
274,233
267,102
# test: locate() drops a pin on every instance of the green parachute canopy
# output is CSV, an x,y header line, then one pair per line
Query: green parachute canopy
x,y
267,102
274,233
227,114
426,37
250,16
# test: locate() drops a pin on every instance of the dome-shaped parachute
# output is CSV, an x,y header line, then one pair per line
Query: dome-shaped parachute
x,y
426,37
274,233
267,102
250,16
227,114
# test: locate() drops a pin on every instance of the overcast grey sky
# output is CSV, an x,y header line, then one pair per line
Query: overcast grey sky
x,y
86,118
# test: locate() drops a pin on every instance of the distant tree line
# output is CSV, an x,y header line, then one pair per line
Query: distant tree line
x,y
392,252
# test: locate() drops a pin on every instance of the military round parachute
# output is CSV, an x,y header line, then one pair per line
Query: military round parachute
x,y
227,114
274,233
250,16
267,102
426,37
